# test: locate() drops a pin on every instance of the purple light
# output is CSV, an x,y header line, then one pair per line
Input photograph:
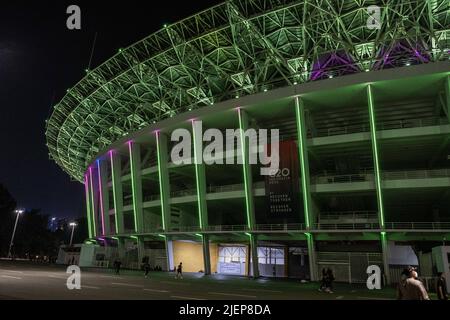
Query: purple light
x,y
101,239
102,211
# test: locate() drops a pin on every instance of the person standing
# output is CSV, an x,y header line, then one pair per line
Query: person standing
x,y
410,288
441,287
179,271
146,269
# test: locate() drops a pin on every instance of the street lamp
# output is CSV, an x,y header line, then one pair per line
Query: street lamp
x,y
73,225
18,212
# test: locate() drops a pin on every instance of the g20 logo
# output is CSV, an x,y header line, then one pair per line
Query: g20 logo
x,y
284,172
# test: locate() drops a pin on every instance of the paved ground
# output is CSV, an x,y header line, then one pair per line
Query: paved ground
x,y
21,280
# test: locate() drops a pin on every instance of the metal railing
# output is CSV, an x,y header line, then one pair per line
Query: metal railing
x,y
152,197
280,227
183,193
226,188
416,174
344,178
348,215
411,123
385,125
418,225
347,226
300,227
335,131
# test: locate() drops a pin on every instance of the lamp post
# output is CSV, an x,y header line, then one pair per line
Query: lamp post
x,y
73,225
18,212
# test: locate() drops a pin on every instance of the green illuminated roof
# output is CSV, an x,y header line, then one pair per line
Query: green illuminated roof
x,y
237,48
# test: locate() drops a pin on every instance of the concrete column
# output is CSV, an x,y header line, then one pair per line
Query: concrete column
x,y
304,163
164,182
136,182
94,200
197,136
169,254
116,174
385,253
377,173
206,255
254,255
305,184
121,249
141,250
88,206
447,96
376,164
104,196
247,170
248,188
312,257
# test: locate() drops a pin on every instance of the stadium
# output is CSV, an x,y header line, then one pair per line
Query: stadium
x,y
363,114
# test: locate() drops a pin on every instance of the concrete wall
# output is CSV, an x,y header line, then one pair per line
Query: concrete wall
x,y
191,254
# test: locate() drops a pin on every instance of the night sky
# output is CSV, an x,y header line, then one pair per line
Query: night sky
x,y
39,59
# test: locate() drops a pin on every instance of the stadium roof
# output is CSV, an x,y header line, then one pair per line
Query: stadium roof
x,y
233,49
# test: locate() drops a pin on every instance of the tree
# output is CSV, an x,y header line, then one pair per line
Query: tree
x,y
7,206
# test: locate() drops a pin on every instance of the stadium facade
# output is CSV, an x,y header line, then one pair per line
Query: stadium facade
x,y
363,115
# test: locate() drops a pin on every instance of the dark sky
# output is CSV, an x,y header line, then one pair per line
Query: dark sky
x,y
39,59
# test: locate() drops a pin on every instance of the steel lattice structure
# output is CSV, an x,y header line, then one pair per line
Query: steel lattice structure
x,y
237,48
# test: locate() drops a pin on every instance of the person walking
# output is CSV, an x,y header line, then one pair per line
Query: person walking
x,y
179,271
323,283
117,265
146,269
329,281
409,287
441,287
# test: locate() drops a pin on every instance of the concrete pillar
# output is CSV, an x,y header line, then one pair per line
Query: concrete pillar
x,y
141,250
304,164
200,176
206,254
312,257
88,206
94,200
376,163
304,175
103,196
385,253
247,170
254,255
116,174
136,183
164,182
378,186
121,249
447,96
169,254
248,188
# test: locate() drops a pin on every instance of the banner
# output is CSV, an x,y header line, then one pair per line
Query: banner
x,y
282,188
